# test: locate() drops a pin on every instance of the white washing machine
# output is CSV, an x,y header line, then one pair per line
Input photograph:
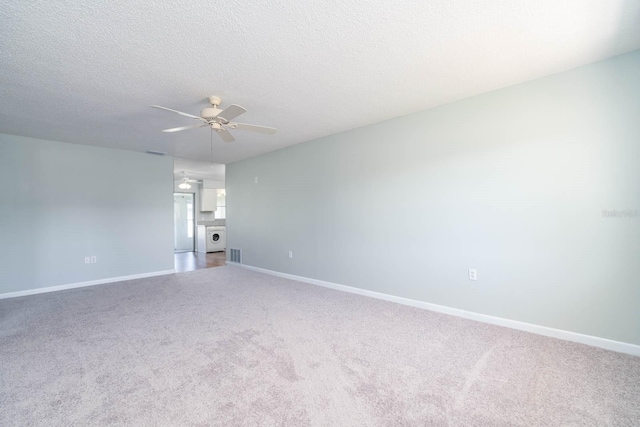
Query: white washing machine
x,y
216,238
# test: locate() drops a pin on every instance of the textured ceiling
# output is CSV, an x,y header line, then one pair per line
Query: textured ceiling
x,y
86,72
198,169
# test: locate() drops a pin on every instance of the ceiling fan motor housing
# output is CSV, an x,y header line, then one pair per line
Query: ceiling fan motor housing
x,y
210,112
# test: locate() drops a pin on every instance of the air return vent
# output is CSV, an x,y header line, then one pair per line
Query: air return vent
x,y
235,255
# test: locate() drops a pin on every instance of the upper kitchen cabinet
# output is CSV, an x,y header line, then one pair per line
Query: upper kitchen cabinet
x,y
208,199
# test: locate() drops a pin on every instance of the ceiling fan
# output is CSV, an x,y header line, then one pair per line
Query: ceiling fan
x,y
184,185
218,119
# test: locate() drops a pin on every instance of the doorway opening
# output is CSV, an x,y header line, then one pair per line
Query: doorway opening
x,y
184,222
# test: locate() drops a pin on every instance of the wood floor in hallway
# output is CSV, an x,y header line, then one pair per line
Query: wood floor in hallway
x,y
189,261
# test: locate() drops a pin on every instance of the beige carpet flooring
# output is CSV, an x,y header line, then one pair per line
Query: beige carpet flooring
x,y
230,347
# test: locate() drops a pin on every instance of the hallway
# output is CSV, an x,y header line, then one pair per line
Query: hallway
x,y
189,261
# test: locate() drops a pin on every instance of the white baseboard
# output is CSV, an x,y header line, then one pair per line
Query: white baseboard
x,y
607,344
83,284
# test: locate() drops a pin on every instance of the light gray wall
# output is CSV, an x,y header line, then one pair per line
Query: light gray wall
x,y
63,202
512,183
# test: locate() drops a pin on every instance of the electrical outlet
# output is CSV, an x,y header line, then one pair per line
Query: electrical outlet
x,y
473,274
256,179
94,259
290,254
87,260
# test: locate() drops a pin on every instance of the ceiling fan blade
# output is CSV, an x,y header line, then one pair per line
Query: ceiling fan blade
x,y
183,128
225,135
231,112
253,128
178,112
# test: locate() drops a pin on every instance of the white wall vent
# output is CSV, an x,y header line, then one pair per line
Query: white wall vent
x,y
235,255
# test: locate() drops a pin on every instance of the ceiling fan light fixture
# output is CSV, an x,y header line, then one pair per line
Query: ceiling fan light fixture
x,y
184,185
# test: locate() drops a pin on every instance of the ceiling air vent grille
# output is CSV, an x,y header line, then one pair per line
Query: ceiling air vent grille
x,y
235,255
